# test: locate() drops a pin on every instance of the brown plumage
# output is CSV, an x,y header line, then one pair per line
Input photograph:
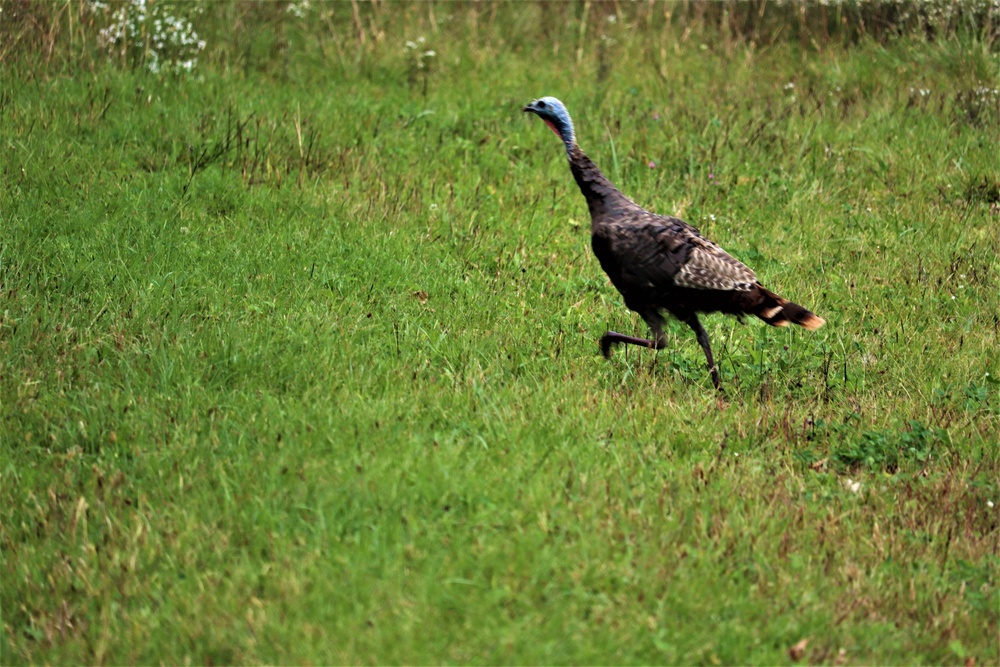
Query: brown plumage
x,y
662,263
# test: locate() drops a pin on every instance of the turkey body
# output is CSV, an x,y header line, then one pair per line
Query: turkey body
x,y
661,263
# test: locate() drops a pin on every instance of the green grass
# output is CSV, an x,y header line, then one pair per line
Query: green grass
x,y
299,362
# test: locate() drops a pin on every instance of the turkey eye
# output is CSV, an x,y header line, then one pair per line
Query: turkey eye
x,y
541,105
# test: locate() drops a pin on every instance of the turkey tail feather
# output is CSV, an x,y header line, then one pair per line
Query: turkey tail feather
x,y
779,312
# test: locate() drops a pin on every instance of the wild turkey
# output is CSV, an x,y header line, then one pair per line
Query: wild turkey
x,y
662,263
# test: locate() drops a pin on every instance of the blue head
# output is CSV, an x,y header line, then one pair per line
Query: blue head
x,y
554,113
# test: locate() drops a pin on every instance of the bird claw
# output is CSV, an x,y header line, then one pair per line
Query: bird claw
x,y
606,344
715,379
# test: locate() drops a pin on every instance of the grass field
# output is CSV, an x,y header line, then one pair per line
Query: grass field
x,y
299,361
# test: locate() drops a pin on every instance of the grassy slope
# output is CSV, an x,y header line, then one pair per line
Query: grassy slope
x,y
348,406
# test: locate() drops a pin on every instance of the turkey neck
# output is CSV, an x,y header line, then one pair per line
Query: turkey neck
x,y
602,197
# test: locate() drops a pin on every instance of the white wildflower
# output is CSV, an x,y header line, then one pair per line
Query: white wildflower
x,y
298,9
173,43
419,59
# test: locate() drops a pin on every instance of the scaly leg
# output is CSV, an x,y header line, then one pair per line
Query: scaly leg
x,y
702,335
659,341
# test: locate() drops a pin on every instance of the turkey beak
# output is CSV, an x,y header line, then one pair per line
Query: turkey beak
x,y
529,107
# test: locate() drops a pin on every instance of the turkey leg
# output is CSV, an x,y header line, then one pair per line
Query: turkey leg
x,y
614,338
702,335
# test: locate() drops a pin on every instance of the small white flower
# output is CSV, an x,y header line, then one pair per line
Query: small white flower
x,y
612,19
298,10
989,503
172,38
789,86
852,486
434,207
